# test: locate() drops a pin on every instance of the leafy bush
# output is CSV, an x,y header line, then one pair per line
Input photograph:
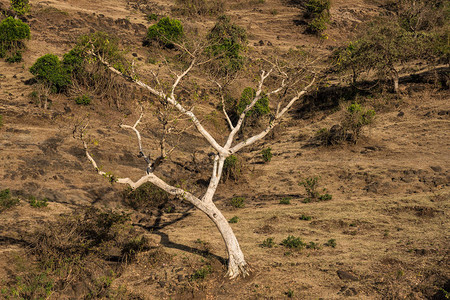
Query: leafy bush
x,y
6,200
238,202
319,13
232,168
266,154
268,243
311,185
200,7
234,219
21,7
166,31
49,69
293,242
83,100
356,117
37,203
12,34
227,42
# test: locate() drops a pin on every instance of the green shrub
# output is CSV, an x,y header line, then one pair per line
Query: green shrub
x,y
232,168
356,117
285,200
37,203
13,32
151,17
201,273
293,242
268,243
21,7
237,202
6,200
311,186
83,100
227,42
166,31
266,155
289,293
1,121
49,69
200,7
319,13
331,243
305,218
234,219
312,245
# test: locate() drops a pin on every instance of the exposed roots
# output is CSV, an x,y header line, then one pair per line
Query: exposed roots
x,y
236,269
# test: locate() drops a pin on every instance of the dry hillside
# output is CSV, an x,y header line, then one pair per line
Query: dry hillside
x,y
388,216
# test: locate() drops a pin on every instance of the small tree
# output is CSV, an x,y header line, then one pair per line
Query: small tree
x,y
382,47
236,262
13,32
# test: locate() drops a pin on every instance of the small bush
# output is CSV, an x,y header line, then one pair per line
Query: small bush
x,y
13,32
83,100
6,200
311,185
318,11
237,202
166,31
21,7
312,245
266,155
49,69
201,273
268,243
232,168
1,121
356,117
285,200
234,219
293,242
305,218
227,43
331,243
200,7
37,203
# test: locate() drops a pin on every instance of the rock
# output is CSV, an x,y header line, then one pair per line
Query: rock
x,y
344,275
400,114
437,169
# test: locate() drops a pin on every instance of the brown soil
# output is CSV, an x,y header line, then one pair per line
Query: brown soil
x,y
389,214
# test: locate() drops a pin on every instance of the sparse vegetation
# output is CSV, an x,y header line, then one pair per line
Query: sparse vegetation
x,y
293,242
268,243
311,185
266,155
13,33
233,220
331,243
289,293
1,121
83,100
36,202
318,12
201,273
232,168
237,202
146,197
285,200
305,218
200,7
6,200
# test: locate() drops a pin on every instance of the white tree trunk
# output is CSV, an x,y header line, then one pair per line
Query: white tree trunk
x,y
236,261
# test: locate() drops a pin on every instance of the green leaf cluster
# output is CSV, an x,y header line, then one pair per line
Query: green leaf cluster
x,y
21,7
166,31
13,32
227,43
50,70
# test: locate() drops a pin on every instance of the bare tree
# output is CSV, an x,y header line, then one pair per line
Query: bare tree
x,y
236,262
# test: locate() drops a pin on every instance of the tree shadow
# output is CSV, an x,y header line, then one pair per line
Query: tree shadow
x,y
158,225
